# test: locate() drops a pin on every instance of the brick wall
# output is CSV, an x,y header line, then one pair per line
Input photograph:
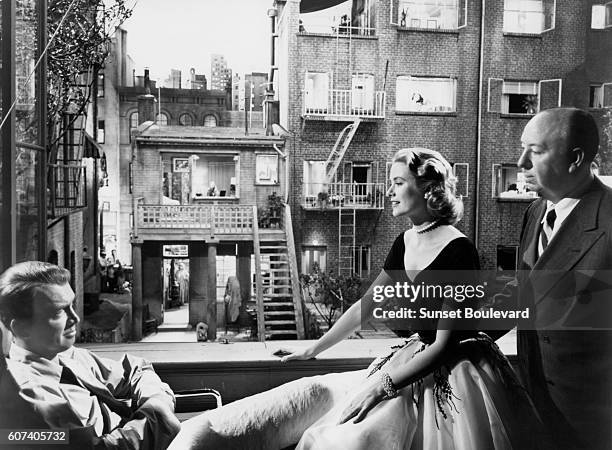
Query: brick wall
x,y
572,52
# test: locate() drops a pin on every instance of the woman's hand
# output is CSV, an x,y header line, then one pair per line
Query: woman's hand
x,y
289,354
363,402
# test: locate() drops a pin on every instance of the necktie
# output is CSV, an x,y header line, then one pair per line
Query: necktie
x,y
547,228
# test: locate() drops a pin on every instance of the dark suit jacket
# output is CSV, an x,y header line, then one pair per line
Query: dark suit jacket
x,y
565,349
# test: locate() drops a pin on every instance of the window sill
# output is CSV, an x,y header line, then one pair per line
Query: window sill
x,y
428,30
426,113
515,199
216,198
515,116
523,35
334,35
267,184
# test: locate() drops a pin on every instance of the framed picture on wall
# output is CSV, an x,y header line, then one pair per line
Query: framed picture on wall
x,y
180,164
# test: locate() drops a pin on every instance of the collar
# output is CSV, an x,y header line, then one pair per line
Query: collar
x,y
563,208
44,366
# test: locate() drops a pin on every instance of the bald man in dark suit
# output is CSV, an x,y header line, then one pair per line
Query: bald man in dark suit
x,y
565,348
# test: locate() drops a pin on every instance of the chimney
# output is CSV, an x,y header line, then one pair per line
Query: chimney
x,y
146,102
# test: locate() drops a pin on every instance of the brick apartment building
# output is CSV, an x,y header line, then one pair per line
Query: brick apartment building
x,y
368,77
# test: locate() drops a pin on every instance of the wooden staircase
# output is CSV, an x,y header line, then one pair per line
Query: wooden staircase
x,y
279,302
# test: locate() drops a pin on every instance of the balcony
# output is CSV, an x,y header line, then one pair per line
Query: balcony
x,y
343,195
194,222
344,104
67,189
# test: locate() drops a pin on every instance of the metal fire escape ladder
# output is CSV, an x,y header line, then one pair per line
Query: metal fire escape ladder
x,y
347,218
342,144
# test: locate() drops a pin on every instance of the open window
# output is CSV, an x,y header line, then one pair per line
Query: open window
x,y
316,92
424,94
600,95
529,16
461,171
314,182
507,260
362,260
601,16
523,97
188,178
356,17
429,14
509,183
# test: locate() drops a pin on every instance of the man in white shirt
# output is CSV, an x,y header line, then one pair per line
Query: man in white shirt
x,y
49,383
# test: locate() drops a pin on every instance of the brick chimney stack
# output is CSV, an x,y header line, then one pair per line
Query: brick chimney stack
x,y
146,102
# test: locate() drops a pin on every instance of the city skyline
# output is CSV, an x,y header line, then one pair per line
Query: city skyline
x,y
243,39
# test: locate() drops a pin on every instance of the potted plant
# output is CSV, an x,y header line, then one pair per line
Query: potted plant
x,y
275,204
322,199
263,217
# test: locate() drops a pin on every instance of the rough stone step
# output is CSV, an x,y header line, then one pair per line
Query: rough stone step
x,y
280,322
277,304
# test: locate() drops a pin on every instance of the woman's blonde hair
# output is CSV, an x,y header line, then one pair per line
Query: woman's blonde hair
x,y
435,179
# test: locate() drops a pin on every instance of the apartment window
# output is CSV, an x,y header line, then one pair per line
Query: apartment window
x,y
101,132
600,95
106,206
185,120
523,97
266,169
507,260
361,260
601,16
423,94
529,16
100,85
314,254
432,14
509,182
362,92
133,120
314,181
210,121
161,119
461,172
317,92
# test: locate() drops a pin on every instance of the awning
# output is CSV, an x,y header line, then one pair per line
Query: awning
x,y
91,148
308,6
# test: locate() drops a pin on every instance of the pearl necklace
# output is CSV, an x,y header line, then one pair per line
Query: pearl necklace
x,y
426,228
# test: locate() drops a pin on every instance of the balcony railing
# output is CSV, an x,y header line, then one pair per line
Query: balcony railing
x,y
67,189
344,195
347,103
219,219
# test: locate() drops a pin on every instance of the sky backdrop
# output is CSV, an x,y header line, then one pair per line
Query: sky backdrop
x,y
180,34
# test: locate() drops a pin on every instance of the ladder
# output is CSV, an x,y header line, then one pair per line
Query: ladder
x,y
347,218
342,144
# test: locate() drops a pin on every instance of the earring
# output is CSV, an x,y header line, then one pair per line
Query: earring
x,y
427,195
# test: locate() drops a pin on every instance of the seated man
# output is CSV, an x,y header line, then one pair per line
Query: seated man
x,y
48,382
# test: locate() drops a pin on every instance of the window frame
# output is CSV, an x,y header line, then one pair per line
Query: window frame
x,y
496,89
303,261
409,78
460,181
604,8
166,119
180,119
395,13
270,181
101,131
544,15
100,85
519,196
357,262
208,116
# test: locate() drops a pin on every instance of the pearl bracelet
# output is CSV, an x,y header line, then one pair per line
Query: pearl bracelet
x,y
387,384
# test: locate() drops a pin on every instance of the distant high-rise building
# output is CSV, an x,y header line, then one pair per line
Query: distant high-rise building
x,y
196,81
174,80
237,96
220,74
250,87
